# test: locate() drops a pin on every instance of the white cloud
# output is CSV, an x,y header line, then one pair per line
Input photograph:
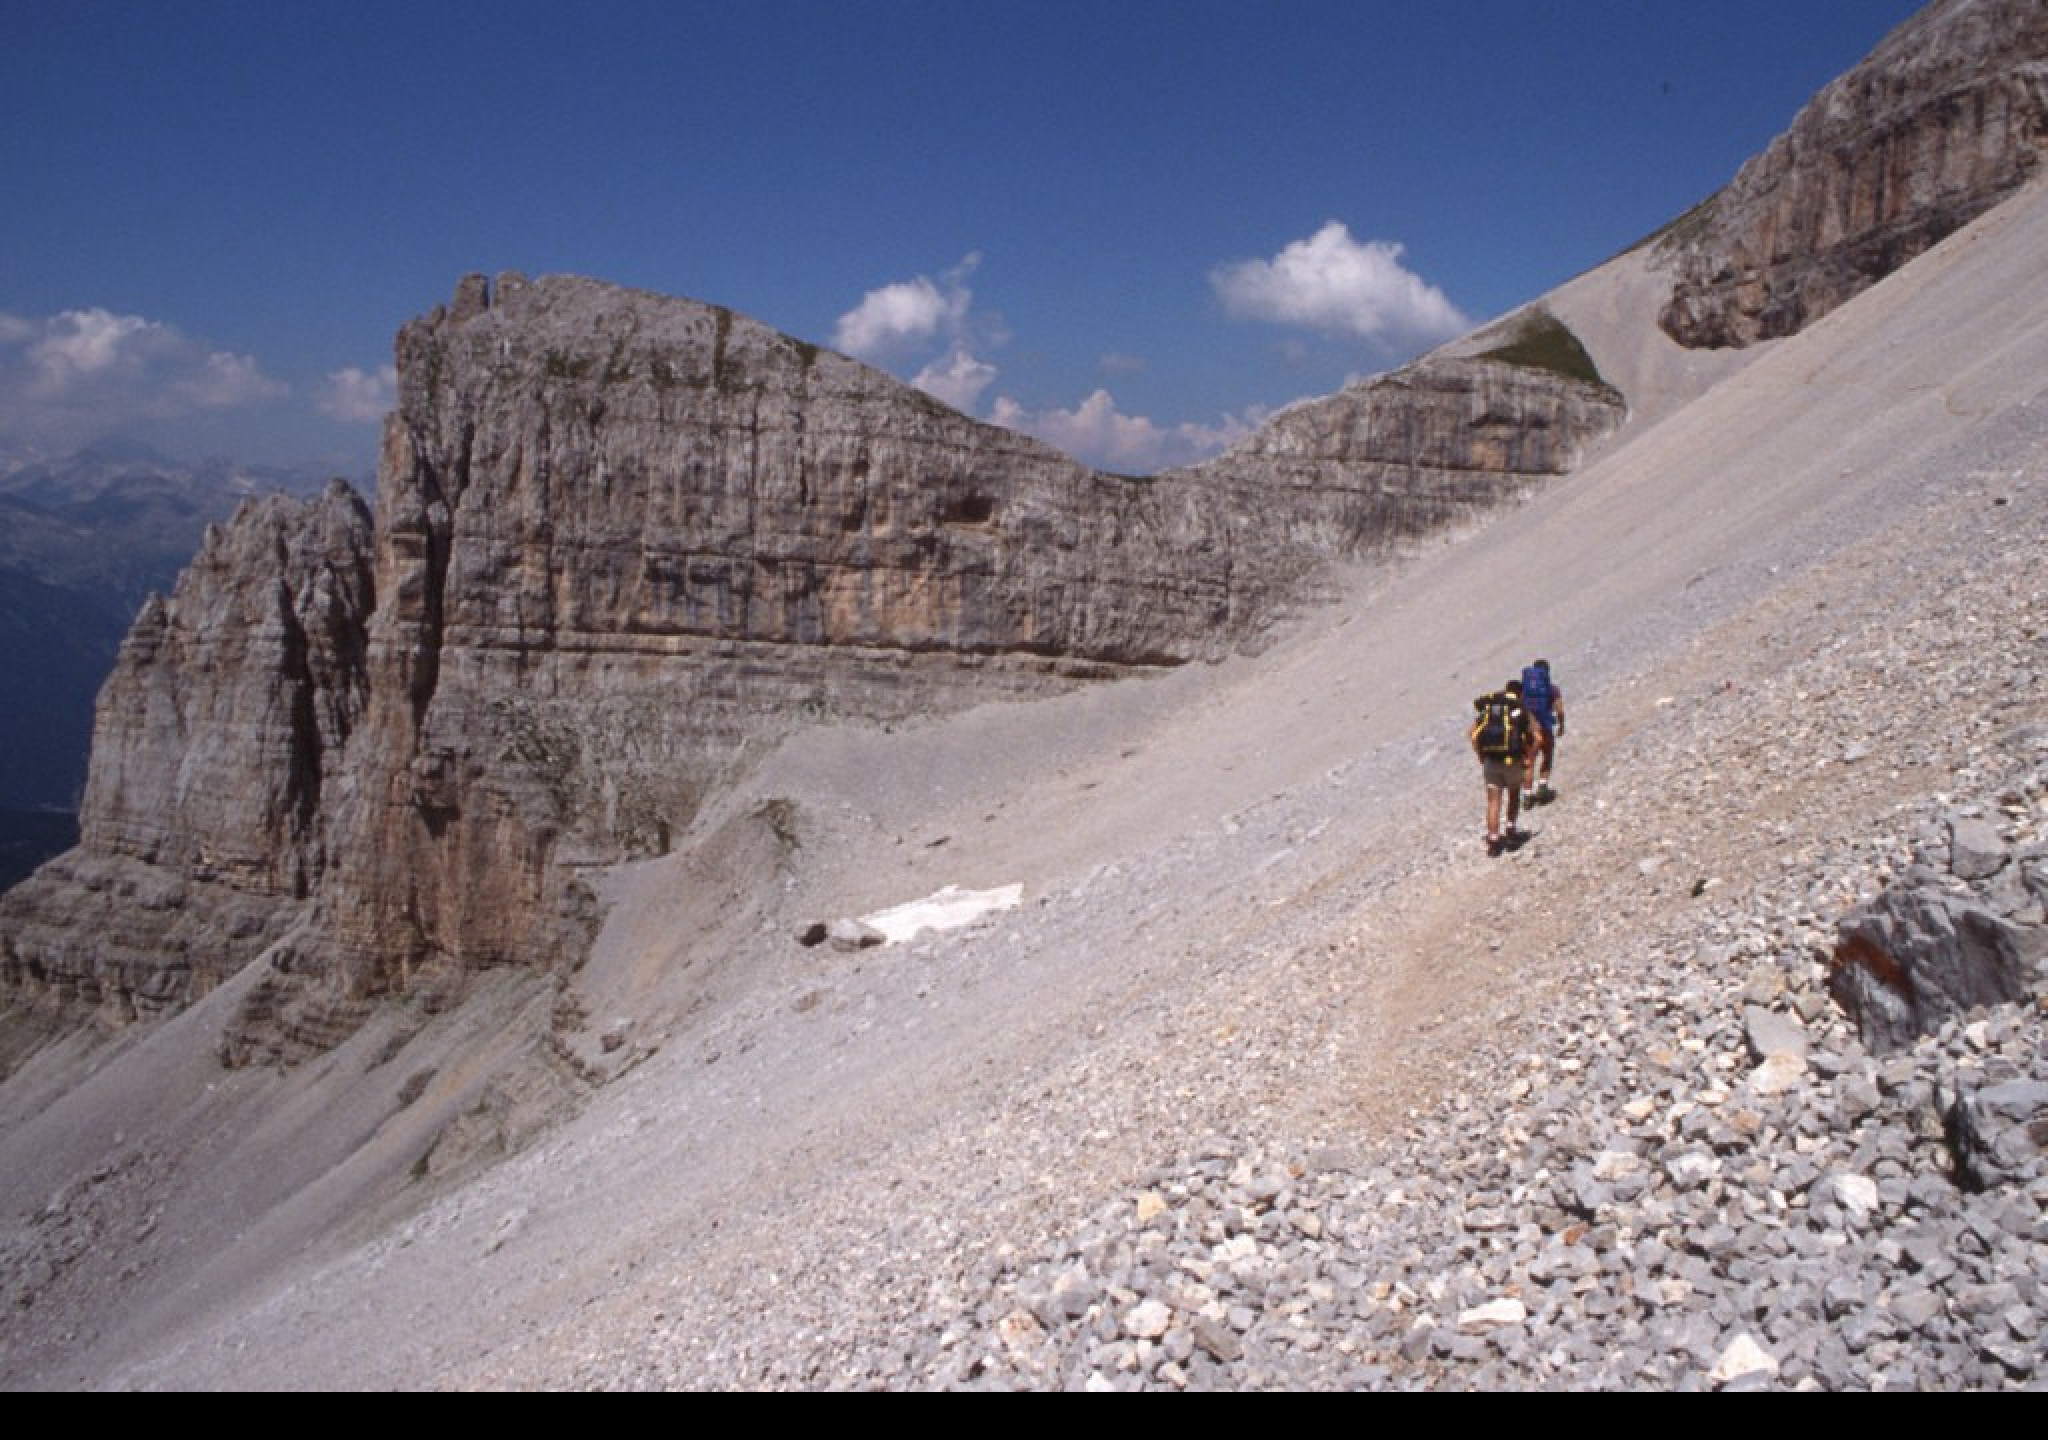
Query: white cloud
x,y
1336,284
1097,433
934,320
84,373
83,343
358,396
903,317
904,314
930,319
223,382
958,379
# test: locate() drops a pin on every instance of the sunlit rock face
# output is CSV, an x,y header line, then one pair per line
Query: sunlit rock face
x,y
1945,119
219,742
622,542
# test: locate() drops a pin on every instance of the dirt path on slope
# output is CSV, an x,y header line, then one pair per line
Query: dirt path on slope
x,y
1814,714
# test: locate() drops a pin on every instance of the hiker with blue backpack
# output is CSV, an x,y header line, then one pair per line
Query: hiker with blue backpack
x,y
1544,701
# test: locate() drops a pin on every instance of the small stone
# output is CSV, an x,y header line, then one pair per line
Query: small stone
x,y
1778,1075
1856,1097
1493,1315
848,934
1216,1340
1771,1034
1976,852
1914,1308
1692,1169
1743,1360
1148,1320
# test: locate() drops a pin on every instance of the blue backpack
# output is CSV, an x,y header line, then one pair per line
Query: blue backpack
x,y
1537,695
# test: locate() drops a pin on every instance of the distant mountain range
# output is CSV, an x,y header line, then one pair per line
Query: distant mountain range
x,y
84,539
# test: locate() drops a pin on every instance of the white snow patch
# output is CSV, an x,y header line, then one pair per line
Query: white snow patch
x,y
949,909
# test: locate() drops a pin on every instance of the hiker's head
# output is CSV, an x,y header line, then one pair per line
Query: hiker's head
x,y
1514,688
1544,666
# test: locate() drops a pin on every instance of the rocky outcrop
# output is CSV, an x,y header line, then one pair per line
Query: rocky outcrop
x,y
84,540
1946,118
624,538
1404,454
233,702
219,739
1929,949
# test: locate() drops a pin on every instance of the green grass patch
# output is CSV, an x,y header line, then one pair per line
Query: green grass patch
x,y
1541,341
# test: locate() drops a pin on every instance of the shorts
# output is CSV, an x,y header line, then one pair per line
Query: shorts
x,y
1503,774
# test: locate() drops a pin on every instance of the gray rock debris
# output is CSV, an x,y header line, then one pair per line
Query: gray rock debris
x,y
1637,1218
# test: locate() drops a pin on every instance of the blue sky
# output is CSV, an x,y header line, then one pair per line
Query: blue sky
x,y
1132,228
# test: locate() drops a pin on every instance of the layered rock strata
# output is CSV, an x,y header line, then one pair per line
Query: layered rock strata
x,y
625,540
1946,118
1405,454
218,742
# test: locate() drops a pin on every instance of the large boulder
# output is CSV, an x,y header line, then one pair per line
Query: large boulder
x,y
1916,956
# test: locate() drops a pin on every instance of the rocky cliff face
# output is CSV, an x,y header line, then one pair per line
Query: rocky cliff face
x,y
1401,455
1945,119
218,741
622,540
625,537
83,541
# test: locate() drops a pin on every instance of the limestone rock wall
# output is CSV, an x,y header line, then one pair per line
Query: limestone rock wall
x,y
218,742
232,702
1404,454
624,536
621,541
574,464
1945,119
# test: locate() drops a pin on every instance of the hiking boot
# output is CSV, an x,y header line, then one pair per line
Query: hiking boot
x,y
1494,845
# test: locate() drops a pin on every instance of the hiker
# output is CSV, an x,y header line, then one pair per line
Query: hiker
x,y
1545,704
1504,739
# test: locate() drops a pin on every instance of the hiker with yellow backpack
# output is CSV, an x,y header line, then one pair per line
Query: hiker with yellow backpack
x,y
1505,738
